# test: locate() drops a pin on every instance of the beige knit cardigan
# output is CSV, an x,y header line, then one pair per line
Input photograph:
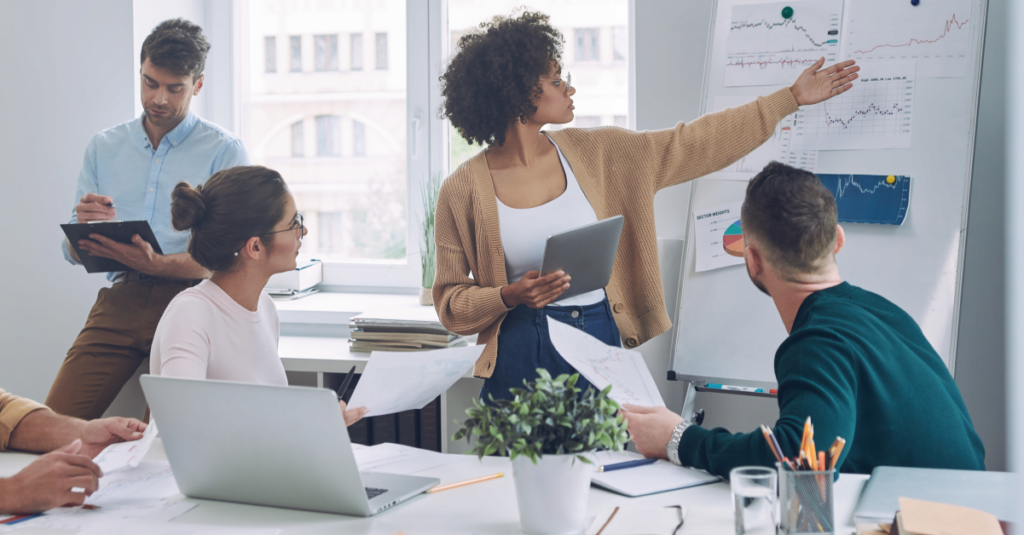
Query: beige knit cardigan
x,y
619,171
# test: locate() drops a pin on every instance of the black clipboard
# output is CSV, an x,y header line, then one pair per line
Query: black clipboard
x,y
119,231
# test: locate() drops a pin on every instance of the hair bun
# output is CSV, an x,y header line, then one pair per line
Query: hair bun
x,y
188,206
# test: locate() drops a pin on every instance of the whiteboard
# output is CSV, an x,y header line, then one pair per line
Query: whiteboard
x,y
727,331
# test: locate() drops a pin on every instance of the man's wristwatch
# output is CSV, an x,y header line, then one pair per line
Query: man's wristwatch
x,y
672,449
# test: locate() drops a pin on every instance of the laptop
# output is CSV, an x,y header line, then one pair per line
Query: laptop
x,y
992,492
268,445
587,254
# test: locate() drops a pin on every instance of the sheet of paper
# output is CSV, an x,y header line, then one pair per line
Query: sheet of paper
x,y
126,454
605,365
719,237
937,33
394,382
651,478
877,113
765,47
778,147
135,528
398,459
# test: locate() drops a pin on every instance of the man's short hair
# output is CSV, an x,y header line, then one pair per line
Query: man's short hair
x,y
792,216
177,45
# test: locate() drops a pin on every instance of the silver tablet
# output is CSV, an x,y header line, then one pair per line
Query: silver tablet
x,y
586,254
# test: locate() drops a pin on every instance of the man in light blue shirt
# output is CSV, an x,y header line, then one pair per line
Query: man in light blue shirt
x,y
128,174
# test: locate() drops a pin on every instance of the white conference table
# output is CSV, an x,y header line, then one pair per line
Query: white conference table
x,y
482,508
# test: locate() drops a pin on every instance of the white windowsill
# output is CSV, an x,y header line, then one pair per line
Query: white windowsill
x,y
333,308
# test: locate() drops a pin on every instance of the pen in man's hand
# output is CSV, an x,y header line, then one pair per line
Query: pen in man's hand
x,y
345,382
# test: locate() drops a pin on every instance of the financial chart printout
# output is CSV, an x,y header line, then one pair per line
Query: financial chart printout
x,y
937,33
877,113
769,44
878,199
777,148
719,237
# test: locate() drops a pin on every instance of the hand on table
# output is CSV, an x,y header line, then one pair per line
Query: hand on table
x,y
816,85
354,415
650,428
93,207
47,482
99,434
138,255
535,291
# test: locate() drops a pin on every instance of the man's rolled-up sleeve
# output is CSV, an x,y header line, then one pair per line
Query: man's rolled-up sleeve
x,y
12,410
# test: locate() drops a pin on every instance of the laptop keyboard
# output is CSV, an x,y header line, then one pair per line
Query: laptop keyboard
x,y
372,493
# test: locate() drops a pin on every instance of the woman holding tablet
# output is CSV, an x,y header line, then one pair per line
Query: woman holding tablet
x,y
496,210
245,228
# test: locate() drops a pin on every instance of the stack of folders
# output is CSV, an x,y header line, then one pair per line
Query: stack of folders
x,y
413,328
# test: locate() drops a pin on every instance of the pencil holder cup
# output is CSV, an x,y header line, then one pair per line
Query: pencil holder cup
x,y
806,502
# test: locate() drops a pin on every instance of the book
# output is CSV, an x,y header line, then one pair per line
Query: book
x,y
425,338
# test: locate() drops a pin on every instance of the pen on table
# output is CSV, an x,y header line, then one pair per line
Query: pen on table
x,y
625,464
345,382
439,488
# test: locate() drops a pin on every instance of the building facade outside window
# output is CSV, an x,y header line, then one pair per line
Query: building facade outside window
x,y
588,44
270,54
356,48
298,140
588,121
295,53
326,52
620,43
328,136
358,139
382,51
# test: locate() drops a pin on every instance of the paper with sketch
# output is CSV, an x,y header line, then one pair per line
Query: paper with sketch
x,y
398,459
605,365
395,382
148,493
126,454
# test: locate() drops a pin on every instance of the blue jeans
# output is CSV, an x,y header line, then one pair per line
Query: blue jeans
x,y
525,345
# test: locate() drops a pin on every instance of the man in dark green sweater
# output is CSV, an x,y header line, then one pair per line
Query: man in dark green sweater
x,y
854,362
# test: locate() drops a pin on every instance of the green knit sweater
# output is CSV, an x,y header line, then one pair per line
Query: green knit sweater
x,y
861,368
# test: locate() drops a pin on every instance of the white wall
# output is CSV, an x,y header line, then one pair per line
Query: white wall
x,y
670,49
68,76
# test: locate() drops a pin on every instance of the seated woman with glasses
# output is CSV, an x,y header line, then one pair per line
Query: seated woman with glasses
x,y
245,227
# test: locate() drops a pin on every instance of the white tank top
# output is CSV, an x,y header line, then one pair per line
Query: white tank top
x,y
525,231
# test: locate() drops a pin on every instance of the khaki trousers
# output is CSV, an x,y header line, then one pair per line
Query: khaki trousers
x,y
116,338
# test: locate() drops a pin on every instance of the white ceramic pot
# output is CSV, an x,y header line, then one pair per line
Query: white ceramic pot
x,y
426,297
552,494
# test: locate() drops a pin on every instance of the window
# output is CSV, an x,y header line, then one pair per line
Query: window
x,y
358,139
295,56
588,121
588,46
331,235
620,43
270,54
326,52
382,51
298,141
328,135
357,51
621,121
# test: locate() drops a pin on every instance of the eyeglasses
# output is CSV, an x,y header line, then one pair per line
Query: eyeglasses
x,y
559,82
296,225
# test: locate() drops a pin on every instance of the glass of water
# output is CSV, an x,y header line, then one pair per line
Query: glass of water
x,y
754,499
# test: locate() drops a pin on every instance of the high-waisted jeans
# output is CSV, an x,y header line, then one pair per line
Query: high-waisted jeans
x,y
525,345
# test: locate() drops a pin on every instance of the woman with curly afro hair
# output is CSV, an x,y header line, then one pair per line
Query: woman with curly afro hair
x,y
497,209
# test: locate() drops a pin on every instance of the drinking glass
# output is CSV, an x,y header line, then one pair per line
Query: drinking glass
x,y
754,499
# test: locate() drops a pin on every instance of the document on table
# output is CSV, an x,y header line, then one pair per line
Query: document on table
x,y
126,454
648,479
398,459
395,382
605,365
147,493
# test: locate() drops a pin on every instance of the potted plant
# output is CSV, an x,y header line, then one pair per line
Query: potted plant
x,y
548,429
429,191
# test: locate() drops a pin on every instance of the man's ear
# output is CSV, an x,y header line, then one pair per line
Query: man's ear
x,y
754,260
840,239
199,84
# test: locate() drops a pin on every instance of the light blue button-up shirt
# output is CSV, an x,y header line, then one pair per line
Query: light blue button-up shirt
x,y
120,162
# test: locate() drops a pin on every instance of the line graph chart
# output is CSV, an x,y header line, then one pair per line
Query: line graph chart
x,y
936,33
777,148
764,48
876,114
878,199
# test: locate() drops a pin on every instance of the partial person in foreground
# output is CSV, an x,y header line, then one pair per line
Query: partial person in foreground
x,y
495,212
854,362
128,173
69,445
244,228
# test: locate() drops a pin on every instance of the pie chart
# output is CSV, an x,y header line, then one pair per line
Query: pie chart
x,y
732,241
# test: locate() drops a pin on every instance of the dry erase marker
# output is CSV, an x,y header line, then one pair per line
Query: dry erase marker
x,y
625,464
736,388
